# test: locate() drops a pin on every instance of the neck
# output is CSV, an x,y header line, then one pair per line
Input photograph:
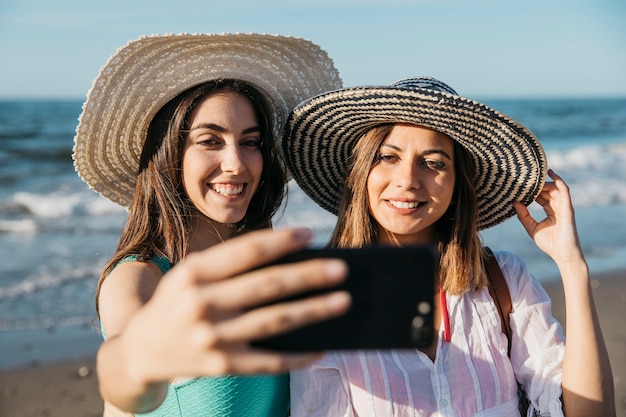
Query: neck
x,y
207,232
387,238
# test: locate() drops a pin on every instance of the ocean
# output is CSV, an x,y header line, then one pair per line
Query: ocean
x,y
56,234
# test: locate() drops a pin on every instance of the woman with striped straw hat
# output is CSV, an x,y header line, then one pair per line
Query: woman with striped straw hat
x,y
415,163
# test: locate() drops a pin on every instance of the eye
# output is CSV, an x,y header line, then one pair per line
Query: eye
x,y
251,143
210,142
385,157
434,164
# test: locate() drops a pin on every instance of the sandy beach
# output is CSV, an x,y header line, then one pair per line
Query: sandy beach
x,y
70,389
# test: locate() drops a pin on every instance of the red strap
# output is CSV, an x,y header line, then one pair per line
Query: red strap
x,y
447,336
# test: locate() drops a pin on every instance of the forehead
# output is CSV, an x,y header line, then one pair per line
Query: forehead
x,y
224,98
224,105
409,135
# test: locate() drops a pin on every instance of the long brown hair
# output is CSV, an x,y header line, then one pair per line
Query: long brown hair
x,y
461,255
159,218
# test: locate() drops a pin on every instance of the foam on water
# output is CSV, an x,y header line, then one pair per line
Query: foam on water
x,y
596,174
25,226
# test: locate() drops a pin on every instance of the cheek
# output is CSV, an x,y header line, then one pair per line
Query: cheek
x,y
190,165
184,168
446,189
375,182
371,189
195,168
256,164
254,168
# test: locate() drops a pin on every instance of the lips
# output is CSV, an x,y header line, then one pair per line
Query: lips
x,y
228,190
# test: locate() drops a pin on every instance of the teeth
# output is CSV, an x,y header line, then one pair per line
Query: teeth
x,y
404,204
228,189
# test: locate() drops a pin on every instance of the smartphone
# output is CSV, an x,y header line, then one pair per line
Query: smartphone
x,y
392,291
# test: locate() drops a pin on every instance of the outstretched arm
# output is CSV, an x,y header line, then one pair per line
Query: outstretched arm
x,y
587,378
199,318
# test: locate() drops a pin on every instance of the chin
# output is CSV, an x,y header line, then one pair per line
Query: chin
x,y
228,218
231,220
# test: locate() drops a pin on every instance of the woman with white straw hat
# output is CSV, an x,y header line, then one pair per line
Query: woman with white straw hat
x,y
182,130
415,163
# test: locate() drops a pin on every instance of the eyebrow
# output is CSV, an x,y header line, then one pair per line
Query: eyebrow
x,y
221,129
428,152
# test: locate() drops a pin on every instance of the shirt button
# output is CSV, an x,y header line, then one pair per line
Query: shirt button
x,y
443,403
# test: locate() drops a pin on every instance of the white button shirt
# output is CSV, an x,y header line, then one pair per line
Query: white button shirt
x,y
472,374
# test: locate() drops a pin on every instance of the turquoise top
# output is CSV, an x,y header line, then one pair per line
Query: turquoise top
x,y
265,396
232,396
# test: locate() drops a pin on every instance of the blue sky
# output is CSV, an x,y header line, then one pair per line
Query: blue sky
x,y
482,48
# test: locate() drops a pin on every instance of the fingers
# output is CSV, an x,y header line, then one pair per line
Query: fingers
x,y
555,197
243,253
558,184
280,318
552,190
556,178
544,199
524,217
268,284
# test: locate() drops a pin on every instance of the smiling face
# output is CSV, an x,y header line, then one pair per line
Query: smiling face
x,y
411,184
222,160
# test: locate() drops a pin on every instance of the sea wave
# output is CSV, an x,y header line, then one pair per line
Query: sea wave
x,y
59,204
59,213
47,323
596,174
27,226
42,281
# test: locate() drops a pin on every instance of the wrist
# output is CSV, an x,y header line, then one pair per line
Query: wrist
x,y
135,388
575,277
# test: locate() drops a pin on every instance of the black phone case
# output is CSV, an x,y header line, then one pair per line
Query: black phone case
x,y
392,292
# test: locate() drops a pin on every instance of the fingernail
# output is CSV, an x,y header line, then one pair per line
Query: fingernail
x,y
338,301
303,234
335,270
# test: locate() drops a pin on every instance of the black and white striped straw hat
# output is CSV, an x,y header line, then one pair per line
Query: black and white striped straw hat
x,y
322,132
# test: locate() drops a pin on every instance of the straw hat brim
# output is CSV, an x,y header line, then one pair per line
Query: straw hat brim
x,y
322,132
147,73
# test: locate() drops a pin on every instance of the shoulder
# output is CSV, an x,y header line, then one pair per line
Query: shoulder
x,y
128,287
523,286
135,277
510,263
161,261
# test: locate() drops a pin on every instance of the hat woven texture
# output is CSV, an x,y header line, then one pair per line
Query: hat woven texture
x,y
322,132
144,75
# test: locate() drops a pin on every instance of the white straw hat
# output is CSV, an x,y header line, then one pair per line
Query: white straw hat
x,y
147,73
322,132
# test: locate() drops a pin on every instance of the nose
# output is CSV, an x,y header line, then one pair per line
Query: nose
x,y
407,175
232,159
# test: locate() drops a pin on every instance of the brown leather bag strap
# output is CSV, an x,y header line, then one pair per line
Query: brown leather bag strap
x,y
499,291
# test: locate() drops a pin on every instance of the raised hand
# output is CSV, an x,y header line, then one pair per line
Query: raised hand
x,y
556,234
